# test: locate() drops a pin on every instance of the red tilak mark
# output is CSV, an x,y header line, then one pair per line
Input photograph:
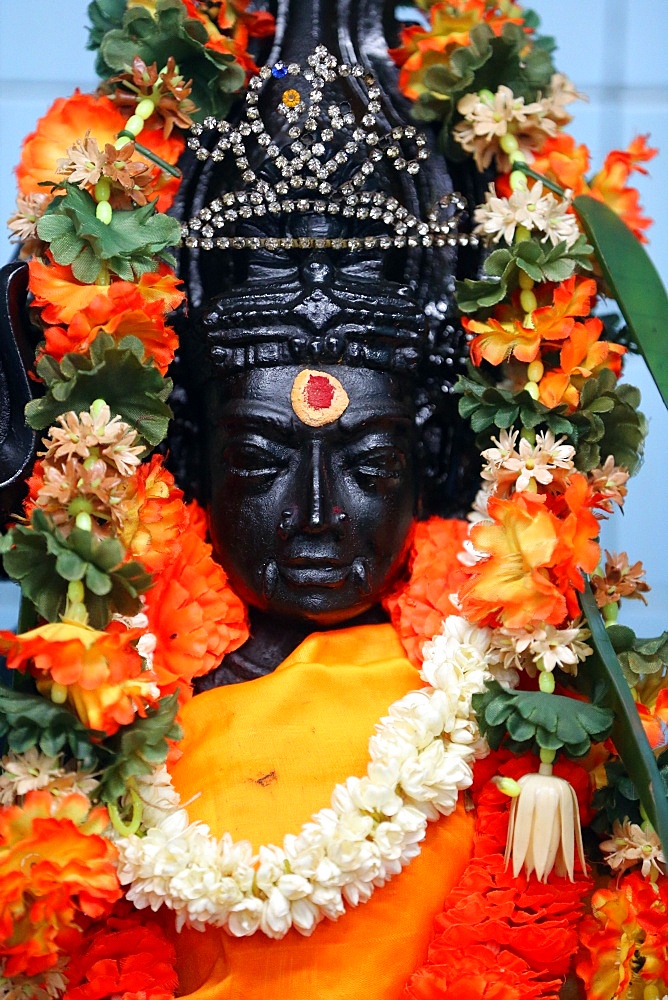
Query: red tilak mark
x,y
319,392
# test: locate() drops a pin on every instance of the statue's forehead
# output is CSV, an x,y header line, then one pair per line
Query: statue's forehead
x,y
314,397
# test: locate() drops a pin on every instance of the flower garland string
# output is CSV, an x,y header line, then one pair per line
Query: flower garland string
x,y
420,758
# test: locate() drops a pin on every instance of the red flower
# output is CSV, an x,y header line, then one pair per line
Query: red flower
x,y
128,958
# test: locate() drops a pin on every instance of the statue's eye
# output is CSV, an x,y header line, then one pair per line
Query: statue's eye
x,y
249,459
380,462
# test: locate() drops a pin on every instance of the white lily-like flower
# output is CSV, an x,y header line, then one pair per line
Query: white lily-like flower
x,y
544,826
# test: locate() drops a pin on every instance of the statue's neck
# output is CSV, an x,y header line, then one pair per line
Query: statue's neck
x,y
271,641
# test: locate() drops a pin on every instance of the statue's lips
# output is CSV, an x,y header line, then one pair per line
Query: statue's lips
x,y
314,572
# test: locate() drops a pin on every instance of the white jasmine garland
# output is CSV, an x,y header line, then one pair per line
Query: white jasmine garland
x,y
420,758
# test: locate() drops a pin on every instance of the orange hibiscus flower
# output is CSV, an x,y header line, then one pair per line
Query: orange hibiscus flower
x,y
513,587
60,297
99,674
194,614
56,870
609,184
154,515
582,356
417,608
561,160
68,119
504,335
451,22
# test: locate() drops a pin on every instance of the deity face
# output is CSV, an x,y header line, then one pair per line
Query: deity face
x,y
311,521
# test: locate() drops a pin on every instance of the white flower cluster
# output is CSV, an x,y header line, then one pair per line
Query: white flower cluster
x,y
420,757
498,218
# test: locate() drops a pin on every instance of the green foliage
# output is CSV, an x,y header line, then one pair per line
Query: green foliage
x,y
638,657
523,719
486,63
28,720
156,37
133,243
133,388
627,734
541,261
617,800
633,281
44,562
606,423
135,750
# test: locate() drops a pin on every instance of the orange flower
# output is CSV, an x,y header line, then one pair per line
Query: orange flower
x,y
55,870
499,338
127,958
60,297
194,614
626,935
154,515
577,549
513,587
68,119
417,608
562,161
482,972
582,356
655,720
99,674
451,22
609,184
230,30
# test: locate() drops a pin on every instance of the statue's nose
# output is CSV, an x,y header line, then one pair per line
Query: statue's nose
x,y
318,512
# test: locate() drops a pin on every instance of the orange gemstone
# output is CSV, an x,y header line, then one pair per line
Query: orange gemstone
x,y
291,98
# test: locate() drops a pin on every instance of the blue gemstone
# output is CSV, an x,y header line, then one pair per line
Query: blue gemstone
x,y
279,70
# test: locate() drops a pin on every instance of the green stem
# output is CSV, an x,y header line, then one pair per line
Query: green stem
x,y
150,155
526,169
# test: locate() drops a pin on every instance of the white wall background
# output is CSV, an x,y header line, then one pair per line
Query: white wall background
x,y
614,50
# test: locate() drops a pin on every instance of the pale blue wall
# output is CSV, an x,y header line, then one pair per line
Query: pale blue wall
x,y
613,49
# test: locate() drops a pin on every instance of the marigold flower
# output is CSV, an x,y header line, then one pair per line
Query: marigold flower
x,y
128,957
418,609
154,515
194,614
98,674
56,870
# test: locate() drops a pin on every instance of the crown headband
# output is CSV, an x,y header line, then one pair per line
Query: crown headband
x,y
326,167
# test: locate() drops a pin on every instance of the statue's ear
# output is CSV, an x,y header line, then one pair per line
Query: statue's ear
x,y
17,441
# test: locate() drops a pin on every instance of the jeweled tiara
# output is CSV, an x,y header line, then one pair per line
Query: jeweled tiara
x,y
322,160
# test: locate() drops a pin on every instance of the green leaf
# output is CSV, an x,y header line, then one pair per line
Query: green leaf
x,y
136,749
628,734
536,719
117,373
29,720
633,281
43,561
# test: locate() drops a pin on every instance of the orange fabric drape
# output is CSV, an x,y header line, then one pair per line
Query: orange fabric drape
x,y
265,755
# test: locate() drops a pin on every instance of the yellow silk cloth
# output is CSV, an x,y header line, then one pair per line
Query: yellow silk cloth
x,y
266,755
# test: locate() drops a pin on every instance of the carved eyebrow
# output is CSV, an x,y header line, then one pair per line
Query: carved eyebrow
x,y
351,423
